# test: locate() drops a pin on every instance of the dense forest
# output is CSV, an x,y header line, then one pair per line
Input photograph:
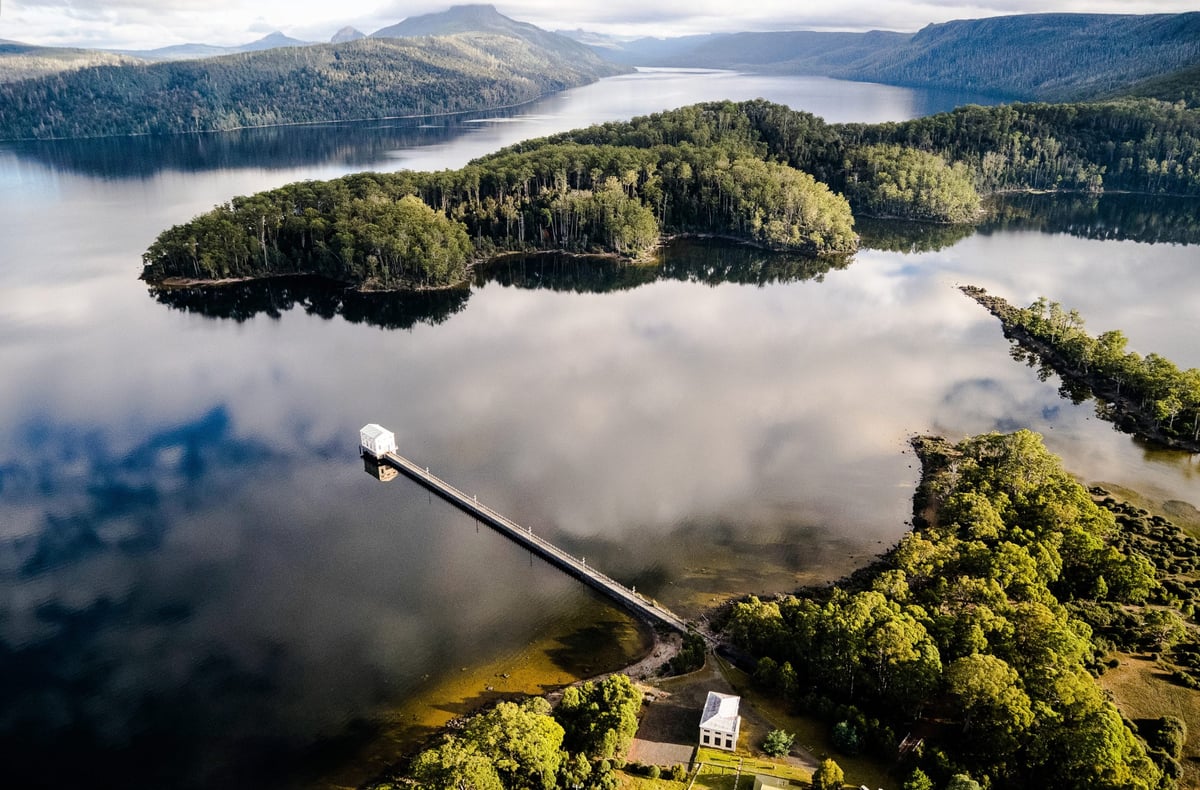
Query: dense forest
x,y
1149,396
1051,57
561,197
367,78
1142,146
978,635
1177,86
893,181
550,195
1047,57
753,170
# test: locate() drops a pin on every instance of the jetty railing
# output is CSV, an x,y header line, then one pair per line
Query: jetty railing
x,y
525,536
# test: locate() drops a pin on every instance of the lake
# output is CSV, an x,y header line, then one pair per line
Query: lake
x,y
202,587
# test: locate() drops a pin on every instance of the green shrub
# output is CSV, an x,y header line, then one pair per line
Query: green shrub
x,y
846,738
918,780
778,743
1170,734
690,657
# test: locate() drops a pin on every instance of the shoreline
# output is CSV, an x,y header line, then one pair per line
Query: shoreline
x,y
180,283
645,259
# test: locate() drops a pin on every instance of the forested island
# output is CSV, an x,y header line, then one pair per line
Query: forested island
x,y
618,197
1147,396
754,171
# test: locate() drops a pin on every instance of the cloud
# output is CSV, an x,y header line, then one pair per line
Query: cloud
x,y
148,23
261,25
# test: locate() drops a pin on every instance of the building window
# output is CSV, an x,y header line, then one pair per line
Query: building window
x,y
728,743
704,739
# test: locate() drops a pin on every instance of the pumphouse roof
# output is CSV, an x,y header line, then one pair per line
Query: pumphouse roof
x,y
720,712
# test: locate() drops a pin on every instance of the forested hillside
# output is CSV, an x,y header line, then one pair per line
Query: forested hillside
x,y
1140,146
1054,57
795,52
25,61
897,183
368,78
1179,86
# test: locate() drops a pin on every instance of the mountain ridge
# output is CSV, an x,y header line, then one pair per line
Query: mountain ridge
x,y
1052,57
347,33
1049,57
356,80
1042,57
19,61
272,40
481,18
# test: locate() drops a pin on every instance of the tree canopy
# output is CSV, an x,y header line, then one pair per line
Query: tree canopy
x,y
1149,396
888,180
363,79
754,171
529,746
972,611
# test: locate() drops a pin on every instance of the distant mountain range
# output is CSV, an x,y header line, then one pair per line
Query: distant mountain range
x,y
473,57
467,58
1055,57
24,61
187,51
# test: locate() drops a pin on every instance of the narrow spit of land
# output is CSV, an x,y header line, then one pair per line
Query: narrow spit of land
x,y
1154,416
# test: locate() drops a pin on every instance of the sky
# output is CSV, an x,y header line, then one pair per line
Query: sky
x,y
146,24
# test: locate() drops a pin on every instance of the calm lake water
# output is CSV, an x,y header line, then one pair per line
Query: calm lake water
x,y
200,586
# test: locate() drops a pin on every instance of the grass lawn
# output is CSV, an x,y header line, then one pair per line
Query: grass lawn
x,y
719,771
811,734
630,782
1182,514
716,761
1143,691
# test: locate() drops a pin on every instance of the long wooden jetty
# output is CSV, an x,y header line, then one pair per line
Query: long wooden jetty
x,y
642,607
